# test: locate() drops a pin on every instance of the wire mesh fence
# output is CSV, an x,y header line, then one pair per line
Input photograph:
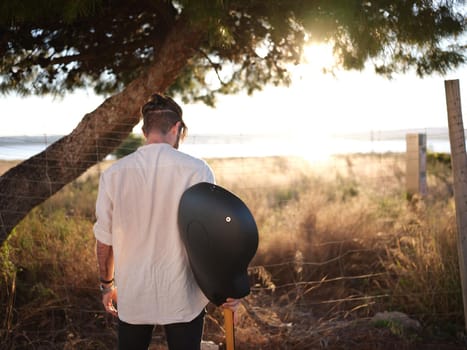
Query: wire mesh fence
x,y
339,238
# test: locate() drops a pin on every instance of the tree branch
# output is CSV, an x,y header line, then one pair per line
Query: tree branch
x,y
36,179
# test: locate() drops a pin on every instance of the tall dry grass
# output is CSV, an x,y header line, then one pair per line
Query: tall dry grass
x,y
343,240
339,240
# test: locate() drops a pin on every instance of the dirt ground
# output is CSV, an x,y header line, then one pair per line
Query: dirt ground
x,y
293,328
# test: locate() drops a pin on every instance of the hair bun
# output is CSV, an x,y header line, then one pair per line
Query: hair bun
x,y
160,101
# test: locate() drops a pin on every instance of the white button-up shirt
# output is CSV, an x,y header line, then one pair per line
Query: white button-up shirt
x,y
136,209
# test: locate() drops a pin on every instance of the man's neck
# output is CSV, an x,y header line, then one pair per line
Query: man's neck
x,y
156,138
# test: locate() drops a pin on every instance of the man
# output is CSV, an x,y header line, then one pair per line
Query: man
x,y
139,248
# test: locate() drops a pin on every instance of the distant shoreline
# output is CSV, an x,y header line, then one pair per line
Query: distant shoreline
x,y
244,145
364,134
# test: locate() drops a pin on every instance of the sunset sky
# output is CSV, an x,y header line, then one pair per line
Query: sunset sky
x,y
315,104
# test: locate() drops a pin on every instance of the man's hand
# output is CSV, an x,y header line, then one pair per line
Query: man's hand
x,y
109,300
231,304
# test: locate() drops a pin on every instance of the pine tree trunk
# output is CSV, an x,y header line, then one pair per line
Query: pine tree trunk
x,y
99,133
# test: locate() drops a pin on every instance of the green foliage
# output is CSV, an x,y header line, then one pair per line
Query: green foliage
x,y
439,171
439,158
53,243
128,146
394,326
49,295
14,12
58,46
7,268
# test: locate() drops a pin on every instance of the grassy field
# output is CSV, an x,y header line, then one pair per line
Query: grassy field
x,y
345,260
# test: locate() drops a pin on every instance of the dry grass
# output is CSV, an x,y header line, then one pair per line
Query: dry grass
x,y
6,165
339,242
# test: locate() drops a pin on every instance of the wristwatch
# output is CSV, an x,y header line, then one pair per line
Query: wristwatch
x,y
105,290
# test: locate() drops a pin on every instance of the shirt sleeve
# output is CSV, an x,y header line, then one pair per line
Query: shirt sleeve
x,y
103,225
209,175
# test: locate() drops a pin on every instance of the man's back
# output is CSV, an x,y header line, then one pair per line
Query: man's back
x,y
137,214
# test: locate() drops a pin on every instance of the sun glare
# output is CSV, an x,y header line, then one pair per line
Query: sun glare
x,y
319,56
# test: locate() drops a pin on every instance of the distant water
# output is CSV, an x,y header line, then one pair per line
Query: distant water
x,y
311,149
223,146
23,147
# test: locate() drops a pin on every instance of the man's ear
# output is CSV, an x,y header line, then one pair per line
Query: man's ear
x,y
177,127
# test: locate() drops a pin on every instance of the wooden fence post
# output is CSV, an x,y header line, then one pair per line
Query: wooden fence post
x,y
416,164
459,169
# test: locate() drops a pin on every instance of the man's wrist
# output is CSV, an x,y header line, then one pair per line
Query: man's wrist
x,y
106,288
104,281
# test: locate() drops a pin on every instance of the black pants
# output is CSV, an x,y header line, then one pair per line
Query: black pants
x,y
180,336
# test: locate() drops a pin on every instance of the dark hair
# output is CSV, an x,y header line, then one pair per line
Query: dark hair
x,y
161,113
